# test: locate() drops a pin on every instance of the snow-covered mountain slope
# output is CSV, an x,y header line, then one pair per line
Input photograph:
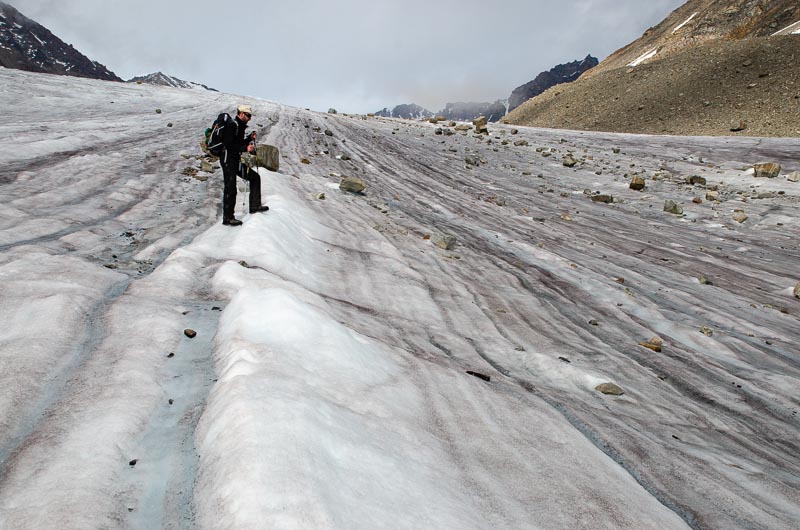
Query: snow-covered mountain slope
x,y
327,386
162,79
27,45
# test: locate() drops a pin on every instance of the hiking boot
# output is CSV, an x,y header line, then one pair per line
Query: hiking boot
x,y
260,209
231,222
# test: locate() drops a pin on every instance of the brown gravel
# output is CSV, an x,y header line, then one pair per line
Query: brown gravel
x,y
703,90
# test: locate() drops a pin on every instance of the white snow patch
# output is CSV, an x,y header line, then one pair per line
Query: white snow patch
x,y
645,56
679,26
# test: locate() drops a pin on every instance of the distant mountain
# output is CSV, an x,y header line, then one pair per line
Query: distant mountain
x,y
162,79
409,111
462,111
27,45
563,73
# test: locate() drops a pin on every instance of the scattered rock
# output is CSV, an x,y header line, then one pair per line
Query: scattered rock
x,y
564,359
609,389
328,132
672,207
320,196
472,160
171,401
704,281
305,161
133,462
480,125
767,170
794,176
712,195
594,323
602,197
443,241
697,200
352,184
654,344
696,180
514,131
521,143
569,161
206,166
738,125
169,124
739,216
244,264
170,355
190,333
158,111
331,111
705,330
797,290
637,183
463,127
438,131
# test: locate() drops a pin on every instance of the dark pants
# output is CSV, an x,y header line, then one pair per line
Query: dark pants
x,y
230,172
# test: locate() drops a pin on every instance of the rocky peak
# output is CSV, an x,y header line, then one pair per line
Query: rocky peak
x,y
27,45
563,73
162,79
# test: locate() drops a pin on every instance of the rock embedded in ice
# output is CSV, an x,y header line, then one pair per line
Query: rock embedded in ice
x,y
797,290
443,241
190,333
705,330
767,170
602,197
739,216
672,207
637,183
352,184
569,161
609,389
696,180
794,176
654,344
472,160
521,143
207,166
712,195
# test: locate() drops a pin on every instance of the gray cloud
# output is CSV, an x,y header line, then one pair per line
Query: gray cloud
x,y
355,55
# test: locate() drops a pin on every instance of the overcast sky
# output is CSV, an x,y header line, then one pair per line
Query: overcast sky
x,y
354,55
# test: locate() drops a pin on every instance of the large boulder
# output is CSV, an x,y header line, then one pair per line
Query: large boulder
x,y
480,125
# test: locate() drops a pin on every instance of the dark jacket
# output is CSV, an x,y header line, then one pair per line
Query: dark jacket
x,y
233,138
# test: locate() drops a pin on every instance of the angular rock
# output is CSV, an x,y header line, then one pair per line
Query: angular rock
x,y
739,216
602,197
707,331
206,166
480,125
320,196
521,143
654,344
637,183
569,161
767,170
672,207
794,176
712,195
696,180
797,290
609,389
443,241
352,184
267,156
472,160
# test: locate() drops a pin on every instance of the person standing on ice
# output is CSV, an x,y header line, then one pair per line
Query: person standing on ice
x,y
235,143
